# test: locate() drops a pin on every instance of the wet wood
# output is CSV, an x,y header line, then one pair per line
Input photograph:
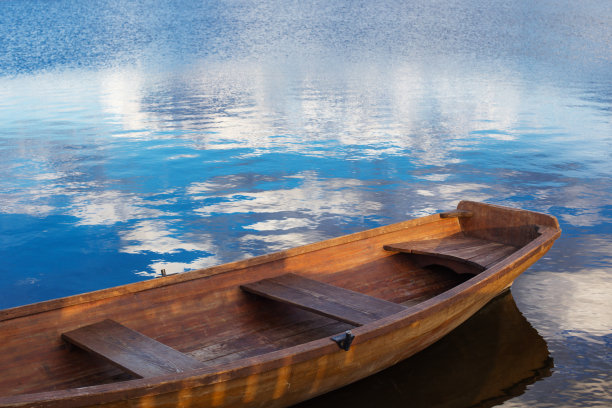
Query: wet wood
x,y
331,301
132,351
261,352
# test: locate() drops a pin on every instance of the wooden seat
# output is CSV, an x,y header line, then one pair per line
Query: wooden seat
x,y
475,252
130,350
327,300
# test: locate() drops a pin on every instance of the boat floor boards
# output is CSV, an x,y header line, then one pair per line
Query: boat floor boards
x,y
276,326
322,310
261,325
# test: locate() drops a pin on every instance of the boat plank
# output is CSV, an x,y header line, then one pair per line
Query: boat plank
x,y
475,251
328,300
495,255
134,352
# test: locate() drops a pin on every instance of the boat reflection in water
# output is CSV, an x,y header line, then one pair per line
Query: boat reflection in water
x,y
490,358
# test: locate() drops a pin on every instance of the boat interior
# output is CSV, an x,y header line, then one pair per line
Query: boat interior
x,y
184,326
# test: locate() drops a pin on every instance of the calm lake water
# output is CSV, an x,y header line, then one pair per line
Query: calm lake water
x,y
142,135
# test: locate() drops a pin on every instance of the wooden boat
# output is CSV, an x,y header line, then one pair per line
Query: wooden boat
x,y
272,330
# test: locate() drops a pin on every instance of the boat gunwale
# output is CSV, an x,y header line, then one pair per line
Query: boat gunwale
x,y
303,352
150,284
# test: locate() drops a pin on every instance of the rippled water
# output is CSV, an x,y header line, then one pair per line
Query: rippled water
x,y
142,135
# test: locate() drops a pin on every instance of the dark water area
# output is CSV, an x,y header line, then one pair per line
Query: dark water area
x,y
489,359
142,135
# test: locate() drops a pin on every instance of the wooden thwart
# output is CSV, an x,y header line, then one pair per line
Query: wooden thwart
x,y
476,252
130,350
327,300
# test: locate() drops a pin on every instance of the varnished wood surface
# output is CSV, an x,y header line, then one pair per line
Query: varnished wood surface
x,y
328,300
132,351
202,309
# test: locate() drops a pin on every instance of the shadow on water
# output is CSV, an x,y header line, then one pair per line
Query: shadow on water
x,y
489,359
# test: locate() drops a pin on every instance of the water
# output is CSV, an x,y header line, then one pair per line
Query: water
x,y
136,136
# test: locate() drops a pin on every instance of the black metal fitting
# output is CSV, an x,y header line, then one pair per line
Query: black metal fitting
x,y
344,340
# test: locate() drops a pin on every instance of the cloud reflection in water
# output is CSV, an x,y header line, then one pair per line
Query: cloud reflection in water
x,y
179,137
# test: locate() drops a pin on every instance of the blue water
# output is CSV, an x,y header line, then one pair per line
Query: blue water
x,y
147,135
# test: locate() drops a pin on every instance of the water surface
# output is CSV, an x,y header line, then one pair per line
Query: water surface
x,y
140,136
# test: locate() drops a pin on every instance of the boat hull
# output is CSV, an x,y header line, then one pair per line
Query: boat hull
x,y
287,376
